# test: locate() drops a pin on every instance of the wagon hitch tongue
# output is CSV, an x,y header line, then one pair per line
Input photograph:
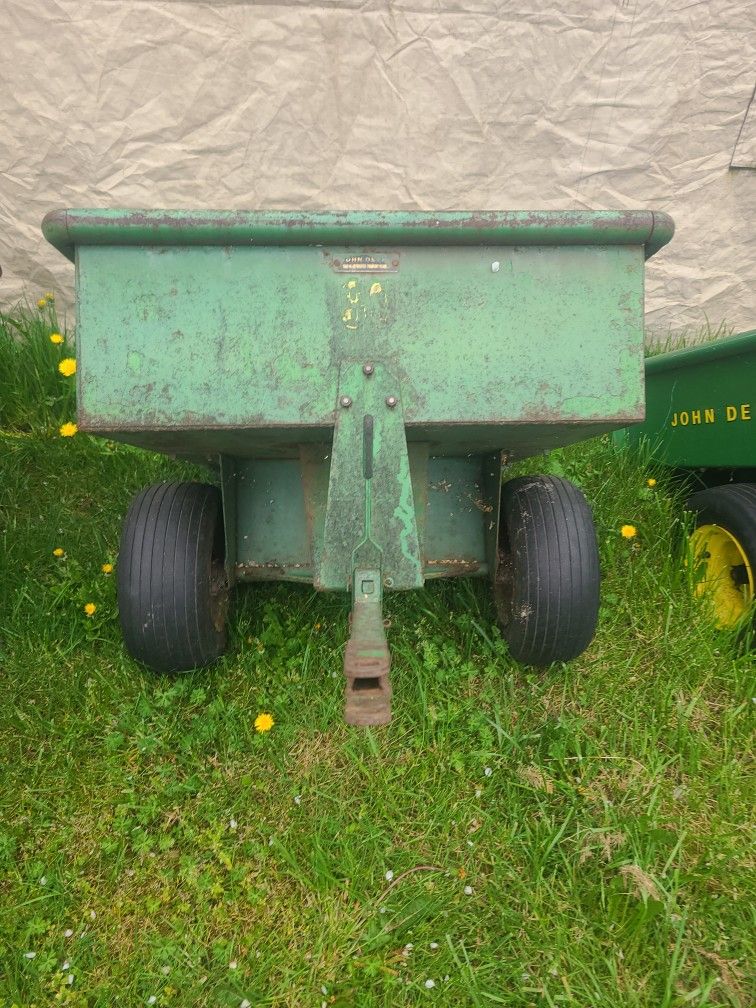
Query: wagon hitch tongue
x,y
367,660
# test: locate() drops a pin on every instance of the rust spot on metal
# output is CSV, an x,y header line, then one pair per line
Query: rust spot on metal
x,y
454,567
481,504
252,565
273,571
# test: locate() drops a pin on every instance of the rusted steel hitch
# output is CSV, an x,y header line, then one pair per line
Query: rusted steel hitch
x,y
367,660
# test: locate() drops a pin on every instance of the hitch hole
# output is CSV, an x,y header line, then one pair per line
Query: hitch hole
x,y
366,683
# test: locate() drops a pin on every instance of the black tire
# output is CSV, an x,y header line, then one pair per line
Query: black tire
x,y
731,508
172,587
547,586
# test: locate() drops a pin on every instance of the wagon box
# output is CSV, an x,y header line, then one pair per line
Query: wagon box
x,y
357,381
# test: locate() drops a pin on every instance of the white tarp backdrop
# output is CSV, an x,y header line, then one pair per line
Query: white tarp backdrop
x,y
389,104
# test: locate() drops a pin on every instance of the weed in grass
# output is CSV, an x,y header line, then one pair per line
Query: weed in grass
x,y
34,395
574,836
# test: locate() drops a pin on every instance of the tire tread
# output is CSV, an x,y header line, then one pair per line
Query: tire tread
x,y
164,576
555,558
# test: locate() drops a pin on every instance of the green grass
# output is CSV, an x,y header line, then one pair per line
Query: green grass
x,y
150,839
659,343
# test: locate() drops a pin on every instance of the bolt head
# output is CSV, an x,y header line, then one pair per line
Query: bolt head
x,y
345,401
367,369
391,401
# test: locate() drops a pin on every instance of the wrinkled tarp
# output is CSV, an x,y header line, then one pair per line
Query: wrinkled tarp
x,y
387,104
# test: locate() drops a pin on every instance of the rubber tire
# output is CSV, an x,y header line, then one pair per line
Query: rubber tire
x,y
548,597
170,577
732,507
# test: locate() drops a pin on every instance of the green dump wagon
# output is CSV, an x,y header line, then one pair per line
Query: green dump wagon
x,y
357,382
701,422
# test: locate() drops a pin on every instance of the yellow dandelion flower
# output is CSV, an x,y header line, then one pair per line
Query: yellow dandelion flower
x,y
56,338
651,482
628,531
50,296
68,430
58,552
42,303
107,568
67,366
90,608
264,722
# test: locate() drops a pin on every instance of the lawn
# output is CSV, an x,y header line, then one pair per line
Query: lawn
x,y
520,837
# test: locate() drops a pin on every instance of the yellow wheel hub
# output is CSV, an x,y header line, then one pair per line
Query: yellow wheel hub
x,y
723,573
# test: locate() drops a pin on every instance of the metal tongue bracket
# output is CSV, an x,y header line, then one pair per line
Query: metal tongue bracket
x,y
370,537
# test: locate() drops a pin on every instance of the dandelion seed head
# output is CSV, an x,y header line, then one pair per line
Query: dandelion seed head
x,y
233,964
70,979
297,799
68,933
389,875
434,945
30,955
152,999
468,890
232,824
430,983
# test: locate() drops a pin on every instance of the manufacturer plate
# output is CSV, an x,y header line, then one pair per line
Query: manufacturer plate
x,y
365,263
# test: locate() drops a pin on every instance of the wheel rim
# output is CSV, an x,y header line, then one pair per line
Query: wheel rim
x,y
723,573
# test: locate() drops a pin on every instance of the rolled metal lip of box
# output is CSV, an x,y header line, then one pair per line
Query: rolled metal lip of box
x,y
65,229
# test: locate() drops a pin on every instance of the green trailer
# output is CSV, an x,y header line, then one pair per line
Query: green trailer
x,y
356,384
701,423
